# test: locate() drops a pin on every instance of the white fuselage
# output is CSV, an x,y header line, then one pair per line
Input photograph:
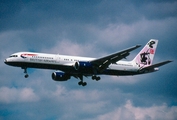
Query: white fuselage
x,y
65,63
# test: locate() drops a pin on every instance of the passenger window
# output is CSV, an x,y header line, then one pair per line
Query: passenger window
x,y
13,56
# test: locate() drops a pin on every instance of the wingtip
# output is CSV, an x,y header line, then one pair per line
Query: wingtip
x,y
170,60
138,45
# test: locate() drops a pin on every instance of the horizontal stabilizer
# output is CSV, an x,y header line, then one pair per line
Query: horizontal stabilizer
x,y
155,65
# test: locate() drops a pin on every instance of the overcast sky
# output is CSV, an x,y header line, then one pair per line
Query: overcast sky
x,y
92,28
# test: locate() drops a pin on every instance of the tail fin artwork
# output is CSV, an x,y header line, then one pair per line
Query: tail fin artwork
x,y
145,57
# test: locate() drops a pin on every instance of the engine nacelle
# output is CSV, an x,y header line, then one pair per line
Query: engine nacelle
x,y
60,76
80,65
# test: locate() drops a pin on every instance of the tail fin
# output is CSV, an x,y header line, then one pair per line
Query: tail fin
x,y
145,57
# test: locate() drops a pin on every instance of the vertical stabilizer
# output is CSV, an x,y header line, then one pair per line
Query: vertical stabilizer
x,y
145,57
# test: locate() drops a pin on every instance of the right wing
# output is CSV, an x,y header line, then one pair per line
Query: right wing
x,y
102,63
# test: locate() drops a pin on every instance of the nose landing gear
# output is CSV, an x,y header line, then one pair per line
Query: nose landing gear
x,y
25,71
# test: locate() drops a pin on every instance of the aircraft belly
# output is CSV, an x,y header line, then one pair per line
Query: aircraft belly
x,y
37,65
64,68
119,72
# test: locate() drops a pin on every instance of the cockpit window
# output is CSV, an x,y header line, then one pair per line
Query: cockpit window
x,y
14,56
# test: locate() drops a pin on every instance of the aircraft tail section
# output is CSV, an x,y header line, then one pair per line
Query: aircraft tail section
x,y
145,57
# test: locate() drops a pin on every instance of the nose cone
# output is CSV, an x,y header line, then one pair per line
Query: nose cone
x,y
8,61
5,61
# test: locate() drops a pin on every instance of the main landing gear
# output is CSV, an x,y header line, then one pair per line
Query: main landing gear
x,y
25,71
81,82
94,77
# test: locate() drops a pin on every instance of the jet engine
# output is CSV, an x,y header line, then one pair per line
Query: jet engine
x,y
79,65
60,76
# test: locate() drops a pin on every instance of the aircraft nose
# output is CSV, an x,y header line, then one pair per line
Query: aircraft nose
x,y
5,61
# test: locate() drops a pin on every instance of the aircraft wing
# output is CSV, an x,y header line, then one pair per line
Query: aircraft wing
x,y
156,65
103,62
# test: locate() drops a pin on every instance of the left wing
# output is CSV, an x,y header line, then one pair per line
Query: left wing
x,y
103,62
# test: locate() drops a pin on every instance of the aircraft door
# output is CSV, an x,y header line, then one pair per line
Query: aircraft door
x,y
57,57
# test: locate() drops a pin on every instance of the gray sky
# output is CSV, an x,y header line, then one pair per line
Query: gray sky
x,y
94,29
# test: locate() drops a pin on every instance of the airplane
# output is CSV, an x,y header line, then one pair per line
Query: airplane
x,y
75,66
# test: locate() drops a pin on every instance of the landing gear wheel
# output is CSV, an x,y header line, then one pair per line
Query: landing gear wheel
x,y
26,76
98,78
93,77
80,83
84,84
